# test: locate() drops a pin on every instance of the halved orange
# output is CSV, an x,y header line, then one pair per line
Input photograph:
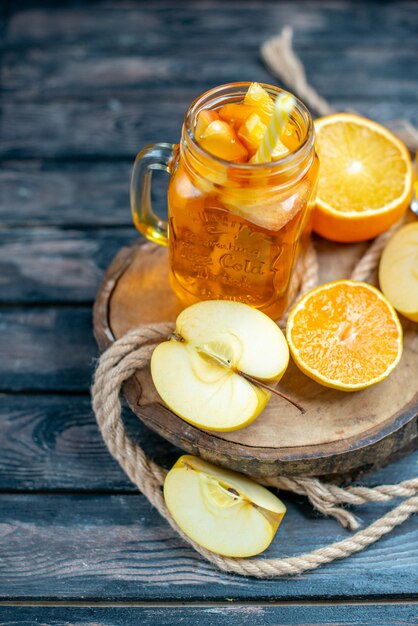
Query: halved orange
x,y
345,335
365,178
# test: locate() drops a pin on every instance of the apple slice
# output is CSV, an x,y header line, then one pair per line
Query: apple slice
x,y
221,510
200,373
220,139
252,132
204,118
235,114
398,271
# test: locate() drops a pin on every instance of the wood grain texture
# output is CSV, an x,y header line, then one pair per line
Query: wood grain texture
x,y
46,349
115,547
118,128
76,128
52,443
54,265
157,25
221,615
35,74
66,194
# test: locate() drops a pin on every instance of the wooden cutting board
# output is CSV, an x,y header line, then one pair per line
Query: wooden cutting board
x,y
341,434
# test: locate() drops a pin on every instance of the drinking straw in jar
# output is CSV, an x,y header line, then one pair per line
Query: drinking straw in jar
x,y
283,108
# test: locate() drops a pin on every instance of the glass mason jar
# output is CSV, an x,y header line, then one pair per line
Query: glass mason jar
x,y
235,231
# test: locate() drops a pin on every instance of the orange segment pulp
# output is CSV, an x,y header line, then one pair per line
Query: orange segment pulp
x,y
345,335
365,178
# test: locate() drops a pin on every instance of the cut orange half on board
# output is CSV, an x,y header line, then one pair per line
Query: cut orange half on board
x,y
345,335
365,178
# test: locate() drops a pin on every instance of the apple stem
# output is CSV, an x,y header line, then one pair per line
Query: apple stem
x,y
225,363
259,383
176,337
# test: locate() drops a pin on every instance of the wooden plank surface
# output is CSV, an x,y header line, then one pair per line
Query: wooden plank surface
x,y
75,194
53,265
35,74
51,443
47,348
116,547
256,615
83,87
317,23
85,129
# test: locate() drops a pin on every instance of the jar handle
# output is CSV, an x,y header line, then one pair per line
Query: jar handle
x,y
158,156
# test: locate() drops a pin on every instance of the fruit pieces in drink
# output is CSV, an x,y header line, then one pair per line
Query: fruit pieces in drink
x,y
258,97
345,335
234,133
398,271
205,117
221,510
251,132
248,122
267,208
235,114
238,232
220,139
365,180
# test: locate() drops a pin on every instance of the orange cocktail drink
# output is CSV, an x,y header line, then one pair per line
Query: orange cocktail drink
x,y
236,229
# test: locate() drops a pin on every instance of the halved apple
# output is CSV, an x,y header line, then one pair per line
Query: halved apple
x,y
221,510
200,372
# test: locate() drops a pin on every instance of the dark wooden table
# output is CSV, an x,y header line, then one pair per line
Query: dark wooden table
x,y
84,86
